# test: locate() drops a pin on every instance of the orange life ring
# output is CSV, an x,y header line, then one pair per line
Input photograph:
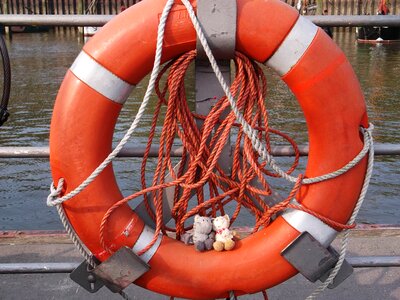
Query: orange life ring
x,y
121,54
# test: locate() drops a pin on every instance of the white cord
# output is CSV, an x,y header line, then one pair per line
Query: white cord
x,y
343,249
262,151
248,130
51,201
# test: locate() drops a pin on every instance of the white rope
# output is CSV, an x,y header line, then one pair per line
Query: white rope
x,y
262,151
157,62
74,237
249,131
343,249
79,245
54,200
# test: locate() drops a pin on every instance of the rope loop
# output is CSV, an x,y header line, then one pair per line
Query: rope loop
x,y
53,198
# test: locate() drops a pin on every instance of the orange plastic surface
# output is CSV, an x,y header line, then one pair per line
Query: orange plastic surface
x,y
83,124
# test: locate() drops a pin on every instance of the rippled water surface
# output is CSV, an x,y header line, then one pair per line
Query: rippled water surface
x,y
39,63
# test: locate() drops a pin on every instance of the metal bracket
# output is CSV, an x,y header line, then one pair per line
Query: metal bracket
x,y
218,21
345,271
117,272
313,260
121,269
84,276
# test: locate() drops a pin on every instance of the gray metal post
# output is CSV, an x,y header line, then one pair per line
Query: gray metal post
x,y
218,20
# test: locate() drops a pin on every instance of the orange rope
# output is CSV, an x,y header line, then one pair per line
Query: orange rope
x,y
202,149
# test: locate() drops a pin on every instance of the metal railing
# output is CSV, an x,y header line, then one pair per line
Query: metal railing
x,y
43,152
68,267
99,20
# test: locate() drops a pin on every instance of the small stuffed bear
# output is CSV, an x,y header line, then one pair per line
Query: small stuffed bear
x,y
224,237
202,237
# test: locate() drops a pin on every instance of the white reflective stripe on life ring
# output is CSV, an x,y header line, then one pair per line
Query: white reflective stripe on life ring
x,y
144,239
293,46
100,79
303,221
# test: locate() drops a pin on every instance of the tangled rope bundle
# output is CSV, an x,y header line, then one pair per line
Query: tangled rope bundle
x,y
202,149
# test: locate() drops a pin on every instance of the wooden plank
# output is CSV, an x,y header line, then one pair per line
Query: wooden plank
x,y
9,9
22,6
16,7
112,8
33,6
25,9
30,237
42,9
51,6
33,237
373,9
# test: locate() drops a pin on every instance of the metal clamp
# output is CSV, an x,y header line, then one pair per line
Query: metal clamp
x,y
313,260
121,269
84,276
218,21
117,272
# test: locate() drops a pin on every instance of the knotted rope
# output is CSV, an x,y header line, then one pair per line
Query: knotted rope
x,y
203,147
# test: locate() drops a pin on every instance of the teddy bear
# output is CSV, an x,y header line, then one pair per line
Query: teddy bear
x,y
202,235
223,236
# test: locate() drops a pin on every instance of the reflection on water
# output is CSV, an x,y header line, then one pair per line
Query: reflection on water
x,y
39,63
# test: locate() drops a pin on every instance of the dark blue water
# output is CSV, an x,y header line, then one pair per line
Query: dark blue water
x,y
39,63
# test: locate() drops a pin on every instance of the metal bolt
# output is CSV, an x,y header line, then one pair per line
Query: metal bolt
x,y
91,278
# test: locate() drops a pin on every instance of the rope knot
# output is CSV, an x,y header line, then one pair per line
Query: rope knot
x,y
369,129
55,192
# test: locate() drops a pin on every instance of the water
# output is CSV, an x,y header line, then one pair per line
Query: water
x,y
39,63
